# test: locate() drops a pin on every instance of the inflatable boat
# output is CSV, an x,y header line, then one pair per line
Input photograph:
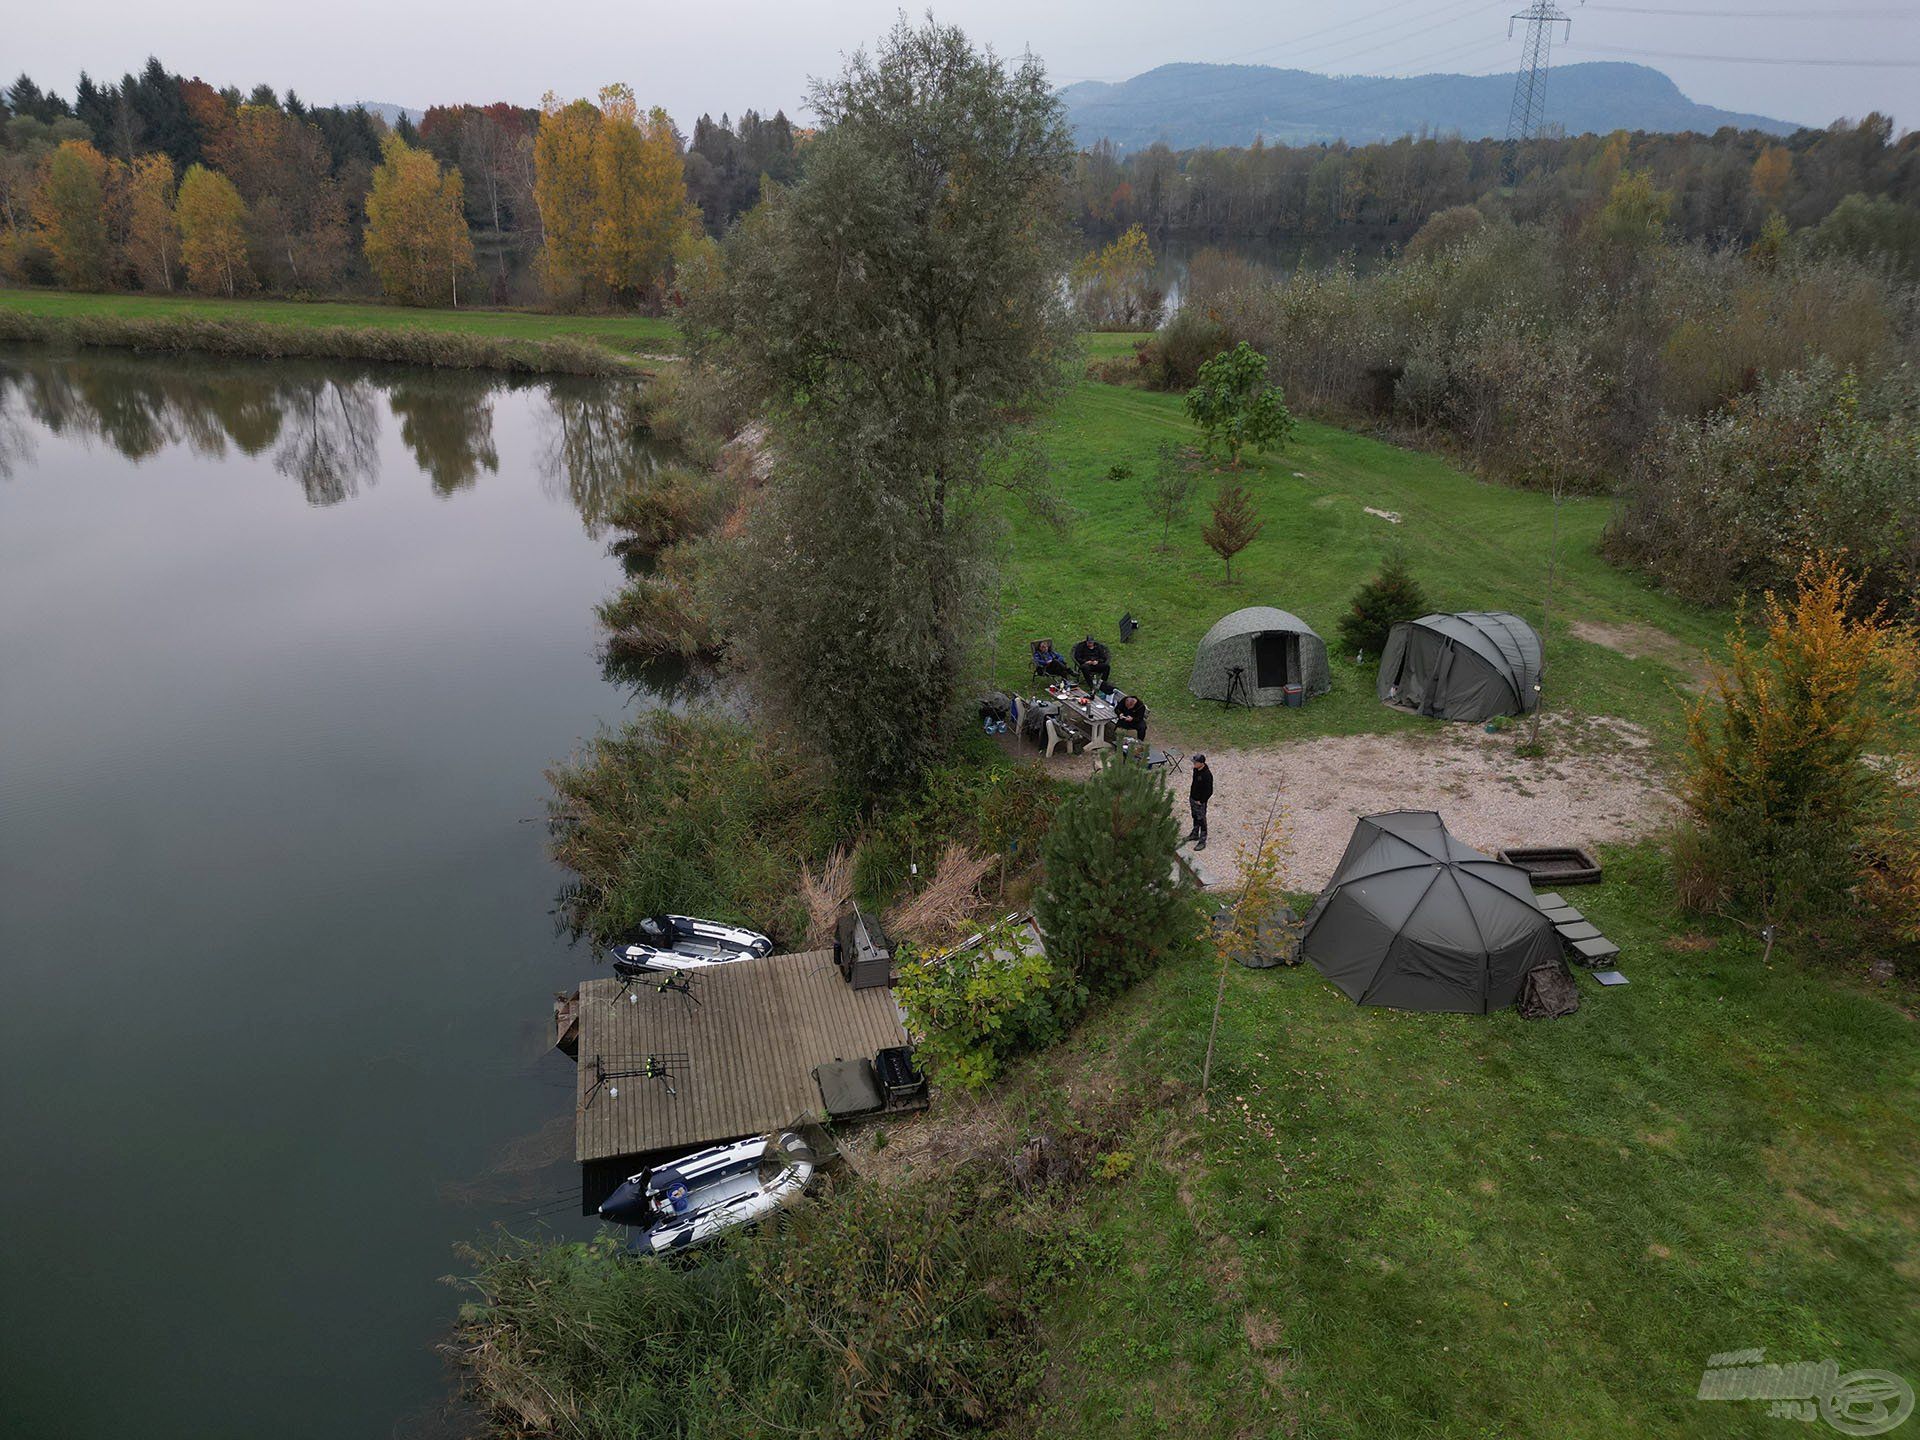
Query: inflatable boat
x,y
688,1201
681,942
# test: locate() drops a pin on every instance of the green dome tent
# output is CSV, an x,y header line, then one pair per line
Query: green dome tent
x,y
1470,666
1416,919
1271,649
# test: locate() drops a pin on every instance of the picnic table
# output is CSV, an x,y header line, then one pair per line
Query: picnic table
x,y
1095,714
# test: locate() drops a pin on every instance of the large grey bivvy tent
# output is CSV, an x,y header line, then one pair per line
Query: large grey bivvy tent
x,y
1271,649
1416,919
1471,666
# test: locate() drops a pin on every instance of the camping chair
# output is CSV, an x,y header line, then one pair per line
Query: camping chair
x,y
1043,670
1058,735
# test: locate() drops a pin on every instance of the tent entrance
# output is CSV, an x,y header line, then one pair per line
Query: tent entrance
x,y
1276,660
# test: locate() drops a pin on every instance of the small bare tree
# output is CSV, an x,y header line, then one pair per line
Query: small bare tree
x,y
1169,490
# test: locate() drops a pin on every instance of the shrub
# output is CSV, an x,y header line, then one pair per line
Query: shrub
x,y
666,614
1234,406
692,813
1110,907
976,1007
673,504
904,1311
1391,596
1168,491
1784,803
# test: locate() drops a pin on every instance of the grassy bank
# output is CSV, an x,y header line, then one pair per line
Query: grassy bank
x,y
1396,1224
511,340
1473,546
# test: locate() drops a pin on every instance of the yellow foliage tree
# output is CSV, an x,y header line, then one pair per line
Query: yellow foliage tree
x,y
70,210
563,192
417,241
213,232
640,196
1792,816
153,229
1770,175
1114,286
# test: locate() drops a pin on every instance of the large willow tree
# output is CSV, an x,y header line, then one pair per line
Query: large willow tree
x,y
900,309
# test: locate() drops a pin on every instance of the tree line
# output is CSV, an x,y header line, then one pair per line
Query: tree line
x,y
1724,186
161,182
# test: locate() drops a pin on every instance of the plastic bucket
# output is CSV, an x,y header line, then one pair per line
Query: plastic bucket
x,y
1296,695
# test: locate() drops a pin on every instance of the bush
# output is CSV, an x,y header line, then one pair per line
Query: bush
x,y
902,1311
666,614
674,504
690,813
977,1007
1391,596
1110,907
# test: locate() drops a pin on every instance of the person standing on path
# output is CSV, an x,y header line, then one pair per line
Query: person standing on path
x,y
1199,792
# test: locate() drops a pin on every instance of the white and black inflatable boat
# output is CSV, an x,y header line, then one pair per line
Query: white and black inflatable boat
x,y
690,1200
683,942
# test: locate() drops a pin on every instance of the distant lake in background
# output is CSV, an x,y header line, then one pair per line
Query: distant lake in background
x,y
284,651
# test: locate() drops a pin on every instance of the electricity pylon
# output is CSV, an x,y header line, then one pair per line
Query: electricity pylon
x,y
1530,81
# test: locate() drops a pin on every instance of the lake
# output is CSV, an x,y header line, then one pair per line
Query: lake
x,y
284,650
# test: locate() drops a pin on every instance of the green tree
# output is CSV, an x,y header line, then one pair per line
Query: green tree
x,y
1389,597
1169,489
895,309
1234,526
1110,907
1235,408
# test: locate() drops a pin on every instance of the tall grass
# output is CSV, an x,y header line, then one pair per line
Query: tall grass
x,y
440,349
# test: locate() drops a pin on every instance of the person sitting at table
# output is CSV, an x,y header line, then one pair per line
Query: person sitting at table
x,y
1049,661
1131,714
1095,661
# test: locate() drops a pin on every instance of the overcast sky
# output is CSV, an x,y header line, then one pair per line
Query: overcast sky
x,y
757,53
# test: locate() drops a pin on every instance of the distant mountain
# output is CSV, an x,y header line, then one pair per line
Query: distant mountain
x,y
387,112
1219,105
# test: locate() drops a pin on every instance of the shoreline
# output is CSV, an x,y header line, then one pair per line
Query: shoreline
x,y
215,330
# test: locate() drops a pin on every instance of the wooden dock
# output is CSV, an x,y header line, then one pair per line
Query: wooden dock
x,y
738,1062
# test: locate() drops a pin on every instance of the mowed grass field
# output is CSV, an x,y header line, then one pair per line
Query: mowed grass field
x,y
1472,545
629,334
1390,1224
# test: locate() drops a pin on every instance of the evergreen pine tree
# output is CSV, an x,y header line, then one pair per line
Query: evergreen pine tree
x,y
1391,596
1110,908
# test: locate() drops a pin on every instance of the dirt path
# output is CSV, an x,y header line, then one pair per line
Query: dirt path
x,y
1596,784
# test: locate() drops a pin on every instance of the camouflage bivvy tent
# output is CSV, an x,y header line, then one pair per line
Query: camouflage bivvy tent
x,y
1270,648
1470,666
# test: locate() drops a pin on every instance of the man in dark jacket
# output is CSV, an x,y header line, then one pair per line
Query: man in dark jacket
x,y
1095,662
1198,794
1131,714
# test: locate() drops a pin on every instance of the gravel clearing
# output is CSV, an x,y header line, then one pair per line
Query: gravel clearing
x,y
1596,784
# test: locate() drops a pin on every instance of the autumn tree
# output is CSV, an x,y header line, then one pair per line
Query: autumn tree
x,y
563,192
1113,286
297,220
1234,526
213,232
69,207
1771,173
417,241
153,229
640,196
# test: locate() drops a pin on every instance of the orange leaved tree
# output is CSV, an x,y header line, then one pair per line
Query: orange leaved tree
x,y
1794,788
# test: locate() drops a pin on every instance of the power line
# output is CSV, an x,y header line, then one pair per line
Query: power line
x,y
1891,14
1749,59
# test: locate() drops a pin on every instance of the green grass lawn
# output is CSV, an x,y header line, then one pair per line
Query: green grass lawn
x,y
1398,1224
626,333
1474,546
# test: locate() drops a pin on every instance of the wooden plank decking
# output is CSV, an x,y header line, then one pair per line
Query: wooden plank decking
x,y
751,1045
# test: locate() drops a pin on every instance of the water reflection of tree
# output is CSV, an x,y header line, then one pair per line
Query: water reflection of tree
x,y
16,440
593,448
446,419
329,438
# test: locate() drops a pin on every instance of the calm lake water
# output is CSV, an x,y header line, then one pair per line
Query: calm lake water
x,y
284,650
